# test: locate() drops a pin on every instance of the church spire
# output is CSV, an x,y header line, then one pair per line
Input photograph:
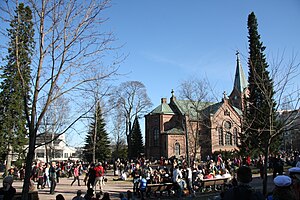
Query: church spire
x,y
239,86
240,82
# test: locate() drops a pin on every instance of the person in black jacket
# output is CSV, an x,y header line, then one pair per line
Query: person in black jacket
x,y
91,176
243,191
52,177
7,192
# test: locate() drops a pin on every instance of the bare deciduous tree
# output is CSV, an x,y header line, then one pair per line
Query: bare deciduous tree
x,y
132,100
70,48
118,132
196,93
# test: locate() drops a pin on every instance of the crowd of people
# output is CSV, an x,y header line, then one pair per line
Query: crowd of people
x,y
185,177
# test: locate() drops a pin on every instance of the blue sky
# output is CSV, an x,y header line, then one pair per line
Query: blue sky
x,y
170,40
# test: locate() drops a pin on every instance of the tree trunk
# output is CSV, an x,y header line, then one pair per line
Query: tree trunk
x,y
129,140
129,146
8,158
29,160
265,172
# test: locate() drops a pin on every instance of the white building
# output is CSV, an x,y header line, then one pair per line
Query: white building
x,y
57,150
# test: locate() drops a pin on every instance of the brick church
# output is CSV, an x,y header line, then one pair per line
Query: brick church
x,y
200,128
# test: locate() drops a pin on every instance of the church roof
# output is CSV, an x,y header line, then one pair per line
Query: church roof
x,y
237,110
191,107
163,108
174,131
212,109
240,81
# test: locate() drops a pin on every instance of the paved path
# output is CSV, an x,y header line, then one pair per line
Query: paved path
x,y
115,187
64,187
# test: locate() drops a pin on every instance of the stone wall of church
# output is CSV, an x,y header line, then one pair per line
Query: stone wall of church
x,y
152,122
225,119
172,140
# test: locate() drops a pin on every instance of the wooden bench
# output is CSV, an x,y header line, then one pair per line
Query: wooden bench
x,y
215,182
31,196
161,187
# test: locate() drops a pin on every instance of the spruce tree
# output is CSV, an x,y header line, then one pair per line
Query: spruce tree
x,y
259,115
259,105
137,145
15,81
102,143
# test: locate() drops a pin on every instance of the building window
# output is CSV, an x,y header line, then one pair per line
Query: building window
x,y
155,137
177,149
228,138
66,155
235,136
227,125
226,113
40,155
58,155
220,134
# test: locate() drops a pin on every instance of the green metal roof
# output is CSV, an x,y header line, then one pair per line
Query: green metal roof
x,y
191,107
174,131
163,108
238,111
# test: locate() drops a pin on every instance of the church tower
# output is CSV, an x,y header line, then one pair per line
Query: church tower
x,y
240,85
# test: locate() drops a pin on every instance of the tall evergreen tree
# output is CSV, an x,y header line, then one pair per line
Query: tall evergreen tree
x,y
137,145
15,81
259,116
260,105
102,143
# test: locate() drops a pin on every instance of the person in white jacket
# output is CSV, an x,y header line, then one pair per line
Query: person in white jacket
x,y
46,176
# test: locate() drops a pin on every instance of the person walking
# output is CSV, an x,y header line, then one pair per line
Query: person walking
x,y
136,175
99,177
91,176
52,177
40,175
76,175
46,176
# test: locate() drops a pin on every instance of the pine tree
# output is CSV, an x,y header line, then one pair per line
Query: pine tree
x,y
102,143
260,105
15,81
259,116
137,146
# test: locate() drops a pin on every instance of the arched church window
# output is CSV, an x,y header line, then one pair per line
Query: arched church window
x,y
155,137
235,136
177,149
220,135
228,138
227,125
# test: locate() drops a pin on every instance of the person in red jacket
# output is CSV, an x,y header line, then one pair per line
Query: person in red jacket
x,y
99,177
